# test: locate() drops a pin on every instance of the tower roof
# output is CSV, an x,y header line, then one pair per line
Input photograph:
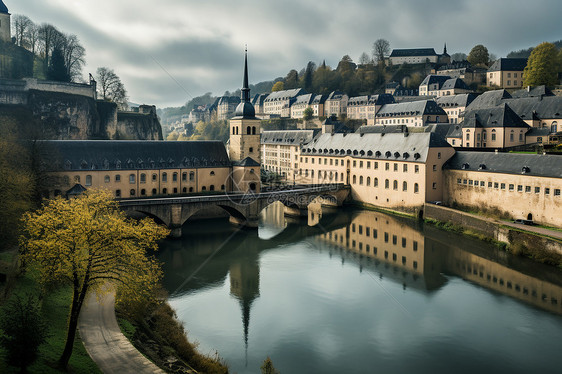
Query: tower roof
x,y
3,7
245,109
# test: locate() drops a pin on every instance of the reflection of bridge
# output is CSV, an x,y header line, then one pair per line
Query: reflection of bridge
x,y
243,208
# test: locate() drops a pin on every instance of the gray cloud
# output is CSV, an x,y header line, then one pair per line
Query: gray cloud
x,y
200,44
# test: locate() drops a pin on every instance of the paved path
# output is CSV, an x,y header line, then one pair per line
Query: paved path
x,y
108,347
539,230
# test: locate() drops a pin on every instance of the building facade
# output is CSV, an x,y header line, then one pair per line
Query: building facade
x,y
5,28
506,73
412,114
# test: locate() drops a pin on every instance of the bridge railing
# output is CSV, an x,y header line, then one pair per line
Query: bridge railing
x,y
234,197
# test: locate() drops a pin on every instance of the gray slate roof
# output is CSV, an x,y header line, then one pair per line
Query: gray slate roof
x,y
392,147
126,155
453,83
455,131
381,99
3,7
288,137
507,163
305,99
548,107
489,99
411,108
538,91
453,101
509,64
384,129
502,116
247,162
432,79
229,100
414,52
285,94
535,131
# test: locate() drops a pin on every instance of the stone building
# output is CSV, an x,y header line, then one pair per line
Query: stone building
x,y
412,114
506,73
5,28
524,186
280,102
226,107
431,85
455,105
336,104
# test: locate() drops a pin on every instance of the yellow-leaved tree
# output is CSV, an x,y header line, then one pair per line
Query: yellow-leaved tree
x,y
87,242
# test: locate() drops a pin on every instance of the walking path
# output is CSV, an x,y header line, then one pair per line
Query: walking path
x,y
108,347
538,230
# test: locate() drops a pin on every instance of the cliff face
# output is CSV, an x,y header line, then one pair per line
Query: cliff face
x,y
64,116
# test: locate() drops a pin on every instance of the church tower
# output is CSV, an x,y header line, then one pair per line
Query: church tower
x,y
244,126
5,31
244,148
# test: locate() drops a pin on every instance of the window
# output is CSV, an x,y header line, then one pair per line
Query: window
x,y
404,186
354,179
537,190
386,166
164,191
132,178
386,184
368,164
493,135
143,179
361,164
118,178
191,176
502,186
88,180
106,179
76,179
184,177
416,169
154,191
164,177
547,191
175,177
154,177
405,168
361,180
395,167
118,193
368,181
439,155
511,187
557,192
395,185
459,181
132,192
376,182
143,192
251,150
376,165
519,188
434,186
434,167
416,188
528,189
415,246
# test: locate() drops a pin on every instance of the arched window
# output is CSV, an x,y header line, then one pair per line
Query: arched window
x,y
132,178
234,131
253,130
118,193
164,177
76,179
191,176
107,179
203,188
395,185
416,188
88,180
404,186
386,184
184,177
251,149
554,127
143,192
175,190
154,191
165,191
175,177
368,181
212,173
143,178
184,190
354,179
223,187
132,192
376,182
190,189
212,187
248,130
361,180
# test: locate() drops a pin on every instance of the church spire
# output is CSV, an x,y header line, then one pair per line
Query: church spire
x,y
245,86
445,49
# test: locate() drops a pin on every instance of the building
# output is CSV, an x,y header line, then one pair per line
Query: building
x,y
506,73
226,107
453,86
464,70
412,114
432,84
455,105
5,30
155,168
498,127
413,56
336,104
317,105
281,150
521,185
357,107
280,102
397,171
300,104
257,102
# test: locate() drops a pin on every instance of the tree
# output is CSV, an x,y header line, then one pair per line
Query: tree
x,y
74,56
20,26
308,75
267,367
364,59
24,331
292,80
49,38
542,66
308,113
381,48
278,86
57,68
111,88
479,55
459,56
87,242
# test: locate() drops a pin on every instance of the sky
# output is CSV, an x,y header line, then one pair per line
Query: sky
x,y
169,51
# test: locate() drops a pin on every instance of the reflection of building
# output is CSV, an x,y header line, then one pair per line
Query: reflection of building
x,y
416,259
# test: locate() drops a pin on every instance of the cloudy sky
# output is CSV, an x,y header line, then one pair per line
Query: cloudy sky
x,y
167,51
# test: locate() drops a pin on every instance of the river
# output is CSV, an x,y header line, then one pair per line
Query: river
x,y
357,291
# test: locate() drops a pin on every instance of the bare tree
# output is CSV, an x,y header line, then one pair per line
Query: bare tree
x,y
381,48
364,59
48,39
20,26
32,37
111,88
74,54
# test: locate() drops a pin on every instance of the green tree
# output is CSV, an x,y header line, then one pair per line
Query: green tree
x,y
267,367
173,136
292,80
479,55
542,66
308,113
308,76
278,86
24,331
57,67
87,242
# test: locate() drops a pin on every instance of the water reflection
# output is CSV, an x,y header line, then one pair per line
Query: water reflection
x,y
214,257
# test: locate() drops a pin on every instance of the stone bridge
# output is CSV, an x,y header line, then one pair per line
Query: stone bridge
x,y
244,208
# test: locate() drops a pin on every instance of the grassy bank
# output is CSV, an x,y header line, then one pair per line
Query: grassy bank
x,y
55,305
157,333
